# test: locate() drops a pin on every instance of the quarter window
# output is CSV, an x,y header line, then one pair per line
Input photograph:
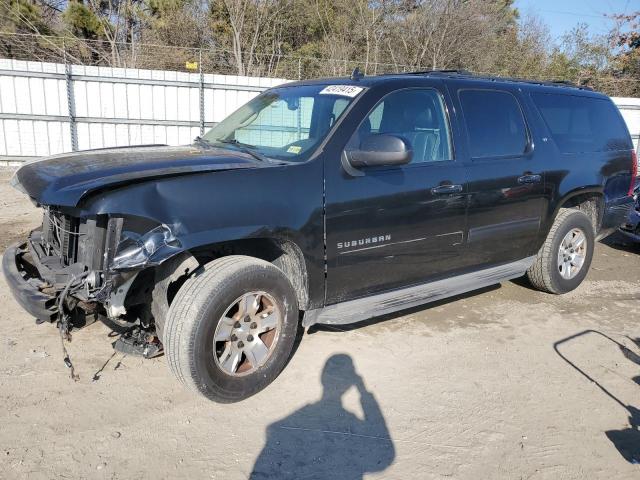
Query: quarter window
x,y
582,124
494,122
418,116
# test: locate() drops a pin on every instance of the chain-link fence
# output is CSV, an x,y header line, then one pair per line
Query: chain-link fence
x,y
65,94
163,57
104,53
60,94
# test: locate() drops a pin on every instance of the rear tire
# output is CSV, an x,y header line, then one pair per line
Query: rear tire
x,y
563,260
217,328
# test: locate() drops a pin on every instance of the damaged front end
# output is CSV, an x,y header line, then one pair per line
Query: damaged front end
x,y
113,241
74,270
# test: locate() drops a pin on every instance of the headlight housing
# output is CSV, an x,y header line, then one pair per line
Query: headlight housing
x,y
136,250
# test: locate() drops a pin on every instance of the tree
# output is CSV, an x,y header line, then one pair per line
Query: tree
x,y
312,38
625,38
251,28
444,34
23,16
82,21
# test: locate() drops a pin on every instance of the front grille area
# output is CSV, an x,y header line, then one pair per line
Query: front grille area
x,y
60,234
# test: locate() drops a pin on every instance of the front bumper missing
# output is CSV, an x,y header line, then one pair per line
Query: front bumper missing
x,y
21,277
32,293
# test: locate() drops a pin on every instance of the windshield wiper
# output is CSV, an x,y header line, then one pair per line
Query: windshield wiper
x,y
201,141
244,148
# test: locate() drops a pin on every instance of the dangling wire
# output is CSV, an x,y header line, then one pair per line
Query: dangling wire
x,y
66,358
63,326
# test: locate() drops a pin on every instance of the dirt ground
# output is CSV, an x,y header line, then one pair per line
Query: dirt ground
x,y
505,383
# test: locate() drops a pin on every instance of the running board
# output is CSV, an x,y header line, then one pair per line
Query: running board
x,y
360,309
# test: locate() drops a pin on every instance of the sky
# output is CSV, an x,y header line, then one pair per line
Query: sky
x,y
563,15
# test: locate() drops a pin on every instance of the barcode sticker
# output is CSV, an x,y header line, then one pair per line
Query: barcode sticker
x,y
342,90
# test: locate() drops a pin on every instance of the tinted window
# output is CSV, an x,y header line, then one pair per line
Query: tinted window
x,y
338,107
582,124
418,116
494,122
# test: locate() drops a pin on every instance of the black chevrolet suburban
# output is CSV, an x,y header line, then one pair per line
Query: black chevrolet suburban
x,y
324,201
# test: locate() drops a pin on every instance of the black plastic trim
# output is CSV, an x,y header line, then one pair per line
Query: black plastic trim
x,y
38,304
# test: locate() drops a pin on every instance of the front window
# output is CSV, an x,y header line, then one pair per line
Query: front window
x,y
415,114
285,123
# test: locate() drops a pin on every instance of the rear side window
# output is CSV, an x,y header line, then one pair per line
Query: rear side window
x,y
495,123
582,124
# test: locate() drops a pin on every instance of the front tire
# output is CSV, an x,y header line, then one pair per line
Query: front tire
x,y
564,259
231,328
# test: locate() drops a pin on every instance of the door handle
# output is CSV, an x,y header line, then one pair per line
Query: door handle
x,y
529,178
446,189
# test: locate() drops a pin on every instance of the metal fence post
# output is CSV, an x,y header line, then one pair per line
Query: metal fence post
x,y
71,102
201,94
299,69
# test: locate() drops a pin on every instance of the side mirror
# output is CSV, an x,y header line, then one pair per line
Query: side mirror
x,y
380,150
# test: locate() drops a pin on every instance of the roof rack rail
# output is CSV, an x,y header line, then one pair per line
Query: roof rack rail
x,y
567,83
555,83
465,73
453,71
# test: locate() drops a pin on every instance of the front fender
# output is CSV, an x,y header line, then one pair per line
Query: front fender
x,y
279,203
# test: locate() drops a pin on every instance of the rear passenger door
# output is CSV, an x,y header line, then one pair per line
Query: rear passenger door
x,y
506,180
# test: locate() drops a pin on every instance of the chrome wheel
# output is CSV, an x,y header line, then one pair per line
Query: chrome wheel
x,y
572,253
247,333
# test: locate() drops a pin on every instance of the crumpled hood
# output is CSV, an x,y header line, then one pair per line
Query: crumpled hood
x,y
64,179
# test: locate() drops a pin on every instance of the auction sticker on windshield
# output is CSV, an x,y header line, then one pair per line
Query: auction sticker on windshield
x,y
342,90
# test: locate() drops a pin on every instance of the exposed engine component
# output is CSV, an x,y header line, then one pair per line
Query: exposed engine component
x,y
139,342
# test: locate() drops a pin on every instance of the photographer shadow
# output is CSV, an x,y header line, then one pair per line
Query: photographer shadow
x,y
323,439
627,440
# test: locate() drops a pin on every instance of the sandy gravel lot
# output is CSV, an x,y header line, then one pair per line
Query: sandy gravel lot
x,y
505,383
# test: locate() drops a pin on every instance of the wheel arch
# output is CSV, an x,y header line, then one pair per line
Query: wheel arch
x,y
589,200
284,254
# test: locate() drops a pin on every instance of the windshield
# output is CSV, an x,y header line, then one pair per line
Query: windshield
x,y
284,123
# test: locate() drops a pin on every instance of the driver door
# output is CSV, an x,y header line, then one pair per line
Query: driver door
x,y
393,226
